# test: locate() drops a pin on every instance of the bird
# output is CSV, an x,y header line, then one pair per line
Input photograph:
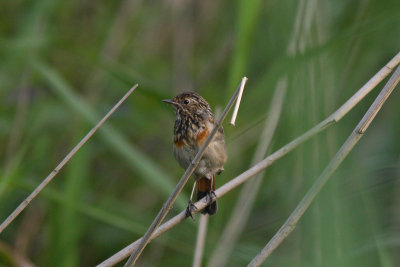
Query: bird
x,y
194,122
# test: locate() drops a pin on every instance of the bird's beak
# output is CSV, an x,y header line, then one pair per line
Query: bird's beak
x,y
169,101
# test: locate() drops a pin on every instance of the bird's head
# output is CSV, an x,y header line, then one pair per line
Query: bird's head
x,y
189,102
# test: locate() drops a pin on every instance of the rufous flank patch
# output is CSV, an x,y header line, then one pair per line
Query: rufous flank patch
x,y
202,136
179,144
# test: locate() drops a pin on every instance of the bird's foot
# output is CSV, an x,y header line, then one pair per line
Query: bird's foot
x,y
190,208
211,195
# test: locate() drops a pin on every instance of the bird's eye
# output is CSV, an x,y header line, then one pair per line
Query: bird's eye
x,y
186,102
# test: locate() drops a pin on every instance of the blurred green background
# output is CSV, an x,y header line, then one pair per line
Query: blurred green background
x,y
64,64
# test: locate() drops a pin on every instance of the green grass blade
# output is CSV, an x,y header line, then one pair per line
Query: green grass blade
x,y
65,251
248,14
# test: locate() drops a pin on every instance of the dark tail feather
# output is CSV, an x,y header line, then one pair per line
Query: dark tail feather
x,y
203,189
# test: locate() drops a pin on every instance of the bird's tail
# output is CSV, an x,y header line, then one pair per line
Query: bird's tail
x,y
204,188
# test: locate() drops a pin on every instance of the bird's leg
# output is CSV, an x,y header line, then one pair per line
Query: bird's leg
x,y
191,195
211,194
191,206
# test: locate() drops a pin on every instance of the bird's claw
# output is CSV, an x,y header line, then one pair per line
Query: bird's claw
x,y
211,195
190,208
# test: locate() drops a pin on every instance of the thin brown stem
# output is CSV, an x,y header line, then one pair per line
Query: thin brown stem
x,y
239,98
235,182
200,241
348,145
50,177
168,204
240,214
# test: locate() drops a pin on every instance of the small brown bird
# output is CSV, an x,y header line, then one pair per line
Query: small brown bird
x,y
193,123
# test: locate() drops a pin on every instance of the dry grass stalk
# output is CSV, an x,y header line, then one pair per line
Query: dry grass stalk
x,y
202,229
330,120
200,241
241,211
50,177
170,201
348,145
236,109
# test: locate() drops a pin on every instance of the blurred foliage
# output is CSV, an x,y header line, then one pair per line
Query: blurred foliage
x,y
65,63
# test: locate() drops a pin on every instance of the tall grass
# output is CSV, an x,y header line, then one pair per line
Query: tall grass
x,y
109,194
